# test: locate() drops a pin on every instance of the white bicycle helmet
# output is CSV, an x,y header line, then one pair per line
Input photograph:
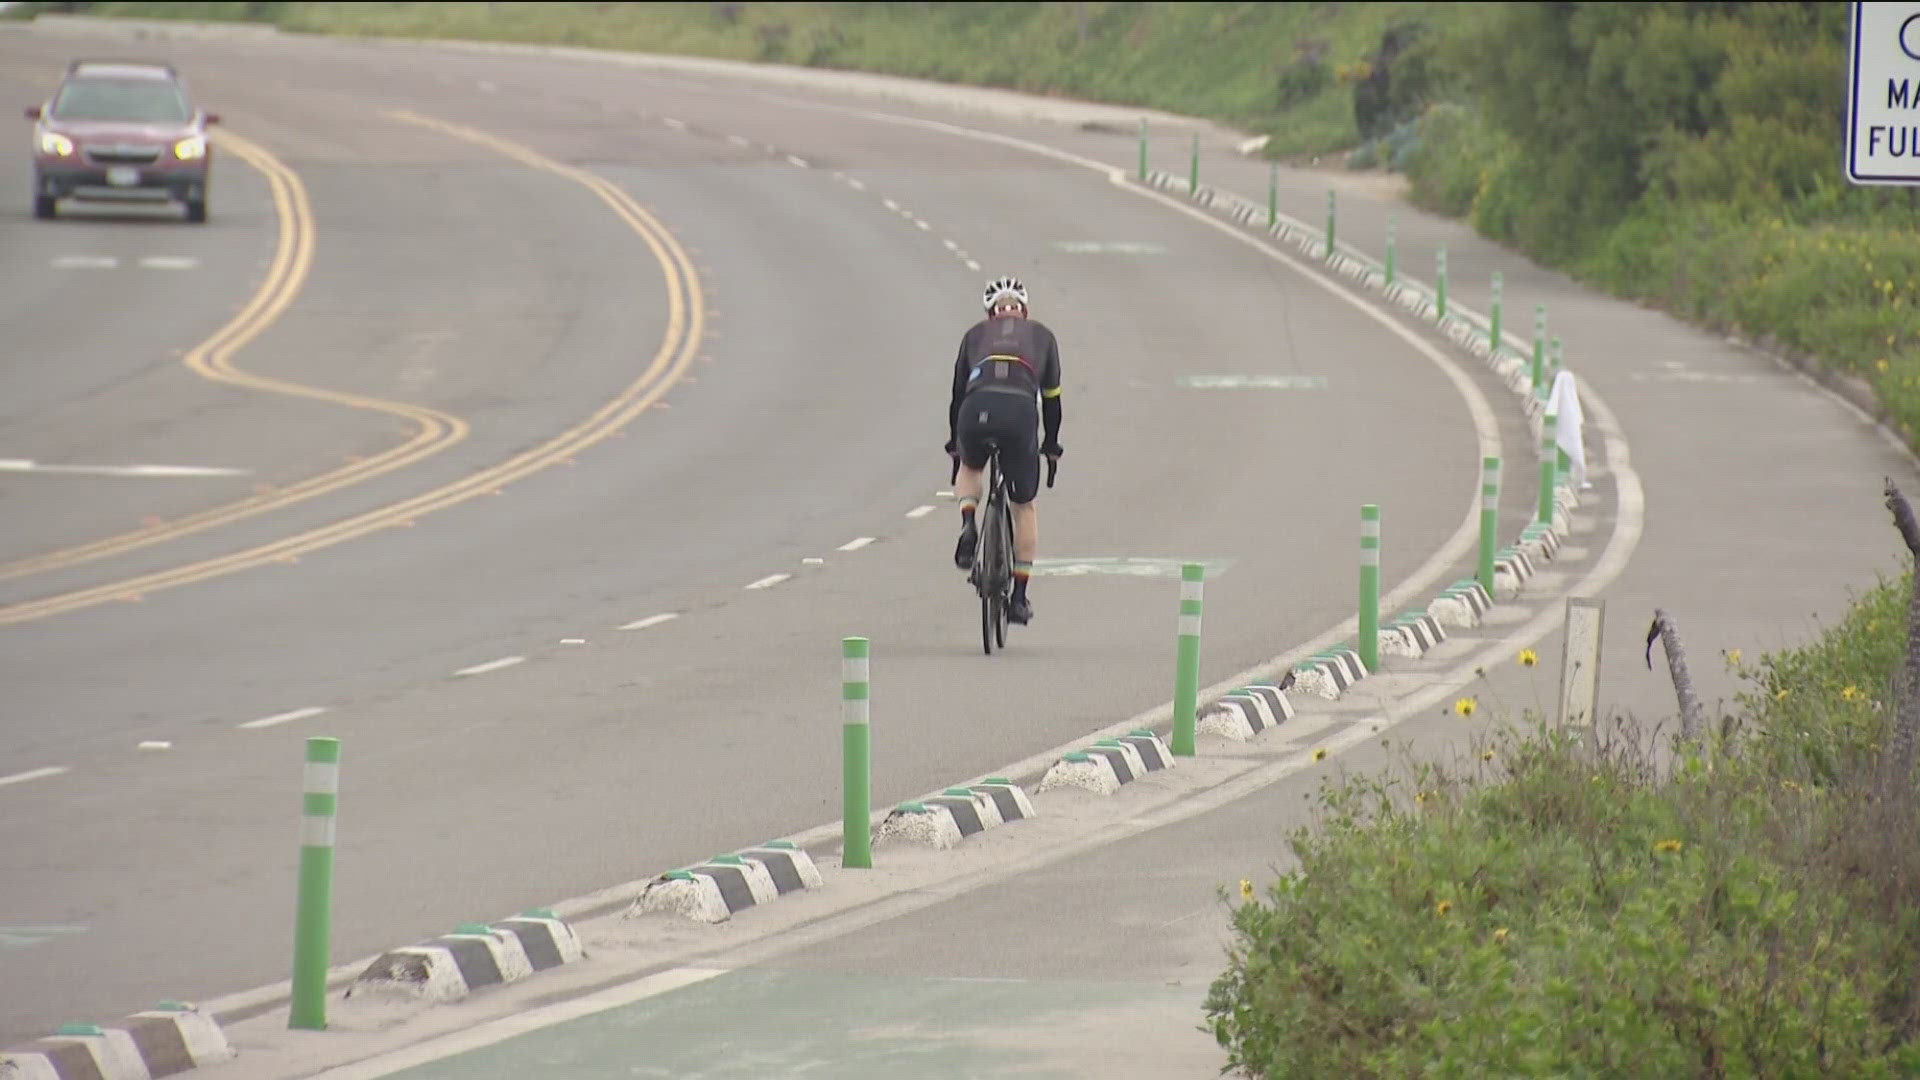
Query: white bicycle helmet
x,y
1003,287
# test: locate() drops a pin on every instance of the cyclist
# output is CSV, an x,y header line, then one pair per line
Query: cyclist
x,y
1006,383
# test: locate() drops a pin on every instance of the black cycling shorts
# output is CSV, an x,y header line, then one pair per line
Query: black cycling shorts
x,y
1012,421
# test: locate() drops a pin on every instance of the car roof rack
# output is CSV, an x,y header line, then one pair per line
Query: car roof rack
x,y
162,65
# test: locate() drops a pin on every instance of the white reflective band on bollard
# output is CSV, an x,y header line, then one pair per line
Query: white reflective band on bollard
x,y
316,831
322,778
1189,626
1192,590
853,669
1369,556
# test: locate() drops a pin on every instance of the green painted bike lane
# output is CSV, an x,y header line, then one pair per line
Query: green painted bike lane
x,y
767,1021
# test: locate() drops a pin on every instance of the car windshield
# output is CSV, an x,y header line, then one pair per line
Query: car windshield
x,y
103,99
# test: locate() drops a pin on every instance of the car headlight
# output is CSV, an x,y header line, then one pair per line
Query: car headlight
x,y
191,148
52,142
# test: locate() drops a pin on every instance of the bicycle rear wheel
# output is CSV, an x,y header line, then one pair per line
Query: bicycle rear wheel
x,y
1003,525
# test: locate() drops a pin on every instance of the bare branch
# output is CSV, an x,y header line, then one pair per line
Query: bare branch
x,y
1690,712
1903,518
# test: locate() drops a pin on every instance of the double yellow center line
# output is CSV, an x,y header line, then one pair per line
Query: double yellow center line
x,y
678,347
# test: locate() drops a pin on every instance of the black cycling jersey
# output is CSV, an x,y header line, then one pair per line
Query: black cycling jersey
x,y
1007,353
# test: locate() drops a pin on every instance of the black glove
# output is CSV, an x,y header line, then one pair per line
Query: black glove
x,y
1052,450
953,449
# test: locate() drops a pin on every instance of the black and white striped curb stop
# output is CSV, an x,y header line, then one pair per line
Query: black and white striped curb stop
x,y
168,1039
1539,542
1411,635
1245,713
943,820
710,892
1461,604
1329,674
1109,763
474,956
1511,569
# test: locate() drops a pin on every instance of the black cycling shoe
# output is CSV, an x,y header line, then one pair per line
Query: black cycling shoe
x,y
1019,610
963,551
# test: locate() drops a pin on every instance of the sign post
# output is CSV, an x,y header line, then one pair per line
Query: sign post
x,y
1883,94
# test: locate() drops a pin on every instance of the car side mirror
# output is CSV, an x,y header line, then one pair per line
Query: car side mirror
x,y
213,118
33,113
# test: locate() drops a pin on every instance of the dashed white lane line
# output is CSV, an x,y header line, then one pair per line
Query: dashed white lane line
x,y
31,466
169,262
739,140
973,266
32,774
950,245
155,744
491,665
798,162
651,621
921,225
677,125
283,718
85,262
920,511
890,204
769,581
856,184
856,543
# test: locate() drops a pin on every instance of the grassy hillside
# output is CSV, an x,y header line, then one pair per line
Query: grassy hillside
x,y
1226,61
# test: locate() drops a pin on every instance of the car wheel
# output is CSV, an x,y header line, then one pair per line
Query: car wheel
x,y
197,210
43,207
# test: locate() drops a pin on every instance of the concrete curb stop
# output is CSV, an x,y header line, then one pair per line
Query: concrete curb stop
x,y
1329,674
1246,712
169,1039
1461,604
1411,635
715,890
1109,763
476,955
1511,569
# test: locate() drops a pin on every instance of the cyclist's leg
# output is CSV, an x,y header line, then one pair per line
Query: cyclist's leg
x,y
1021,460
970,436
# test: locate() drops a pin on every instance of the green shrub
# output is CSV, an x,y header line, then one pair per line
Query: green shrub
x,y
1744,910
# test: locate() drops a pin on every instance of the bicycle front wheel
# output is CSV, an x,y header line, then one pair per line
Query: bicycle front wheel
x,y
989,618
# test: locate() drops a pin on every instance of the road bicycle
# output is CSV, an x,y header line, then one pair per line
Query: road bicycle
x,y
992,574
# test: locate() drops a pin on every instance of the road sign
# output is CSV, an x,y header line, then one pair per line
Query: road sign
x,y
1883,95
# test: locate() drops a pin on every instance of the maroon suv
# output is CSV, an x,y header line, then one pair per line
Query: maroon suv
x,y
121,130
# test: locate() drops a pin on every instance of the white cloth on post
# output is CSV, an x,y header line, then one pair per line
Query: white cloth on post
x,y
1563,401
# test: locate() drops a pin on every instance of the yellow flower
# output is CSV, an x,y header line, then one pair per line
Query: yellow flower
x,y
1528,658
1465,706
1667,847
1851,692
1246,889
1420,798
1443,907
1790,786
1780,694
1500,936
1320,754
1733,657
1486,755
1881,363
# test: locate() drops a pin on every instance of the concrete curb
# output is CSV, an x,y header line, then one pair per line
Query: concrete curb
x,y
1103,767
452,966
715,890
1330,674
163,1041
1411,635
1247,712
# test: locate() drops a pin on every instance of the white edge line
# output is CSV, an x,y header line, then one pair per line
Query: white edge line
x,y
651,621
508,1027
920,511
768,582
856,543
32,774
798,162
283,718
491,665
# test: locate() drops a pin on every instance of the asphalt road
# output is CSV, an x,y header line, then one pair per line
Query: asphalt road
x,y
494,291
